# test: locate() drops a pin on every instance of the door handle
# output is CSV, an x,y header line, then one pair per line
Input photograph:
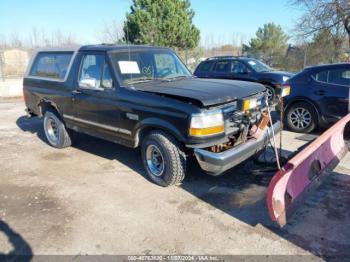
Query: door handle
x,y
76,92
320,92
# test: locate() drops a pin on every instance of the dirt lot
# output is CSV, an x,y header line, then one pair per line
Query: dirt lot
x,y
94,198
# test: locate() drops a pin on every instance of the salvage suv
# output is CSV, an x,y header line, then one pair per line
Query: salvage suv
x,y
143,96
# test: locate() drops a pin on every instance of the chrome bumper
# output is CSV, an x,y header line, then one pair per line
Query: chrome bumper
x,y
217,163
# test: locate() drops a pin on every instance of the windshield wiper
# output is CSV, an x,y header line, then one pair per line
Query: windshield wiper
x,y
143,79
177,78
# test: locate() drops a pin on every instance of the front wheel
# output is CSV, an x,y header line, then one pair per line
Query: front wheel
x,y
271,94
301,118
163,159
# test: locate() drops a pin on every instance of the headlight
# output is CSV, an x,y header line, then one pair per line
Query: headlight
x,y
285,78
207,124
249,104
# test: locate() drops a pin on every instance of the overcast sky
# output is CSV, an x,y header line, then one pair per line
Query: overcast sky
x,y
219,20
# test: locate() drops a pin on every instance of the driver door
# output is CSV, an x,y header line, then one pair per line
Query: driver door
x,y
95,98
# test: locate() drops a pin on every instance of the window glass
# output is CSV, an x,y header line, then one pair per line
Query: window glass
x,y
139,66
206,66
339,77
164,63
222,66
322,76
238,67
107,81
51,65
95,72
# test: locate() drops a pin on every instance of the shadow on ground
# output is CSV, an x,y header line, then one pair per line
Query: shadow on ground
x,y
21,250
241,193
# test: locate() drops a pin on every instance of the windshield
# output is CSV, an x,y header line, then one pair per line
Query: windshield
x,y
259,66
148,65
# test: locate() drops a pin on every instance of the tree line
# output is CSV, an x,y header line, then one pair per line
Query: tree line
x,y
321,35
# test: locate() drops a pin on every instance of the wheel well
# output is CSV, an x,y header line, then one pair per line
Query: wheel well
x,y
267,83
143,132
47,105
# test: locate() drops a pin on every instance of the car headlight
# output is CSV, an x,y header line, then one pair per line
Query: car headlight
x,y
207,124
249,104
285,78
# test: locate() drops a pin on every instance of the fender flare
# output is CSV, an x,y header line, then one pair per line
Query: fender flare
x,y
50,102
155,123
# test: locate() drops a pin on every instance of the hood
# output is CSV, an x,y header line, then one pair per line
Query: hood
x,y
208,92
277,74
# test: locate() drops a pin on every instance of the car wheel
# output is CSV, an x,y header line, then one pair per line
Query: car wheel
x,y
55,130
163,159
301,118
271,94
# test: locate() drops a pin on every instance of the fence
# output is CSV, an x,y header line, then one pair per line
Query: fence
x,y
13,63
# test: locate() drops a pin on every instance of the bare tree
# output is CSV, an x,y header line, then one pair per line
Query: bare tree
x,y
112,33
325,14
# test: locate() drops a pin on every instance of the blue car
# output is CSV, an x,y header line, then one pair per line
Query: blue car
x,y
243,69
319,97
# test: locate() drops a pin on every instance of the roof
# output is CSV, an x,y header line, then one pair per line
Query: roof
x,y
99,47
326,66
229,57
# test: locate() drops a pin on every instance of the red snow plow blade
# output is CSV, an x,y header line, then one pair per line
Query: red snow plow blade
x,y
305,172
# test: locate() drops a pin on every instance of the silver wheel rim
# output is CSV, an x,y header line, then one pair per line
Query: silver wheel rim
x,y
52,130
300,118
269,94
155,160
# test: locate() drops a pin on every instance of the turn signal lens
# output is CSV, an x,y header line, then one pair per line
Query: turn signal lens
x,y
207,131
249,104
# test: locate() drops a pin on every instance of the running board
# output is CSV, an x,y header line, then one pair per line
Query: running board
x,y
305,172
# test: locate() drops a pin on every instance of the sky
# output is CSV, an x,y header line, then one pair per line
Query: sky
x,y
220,21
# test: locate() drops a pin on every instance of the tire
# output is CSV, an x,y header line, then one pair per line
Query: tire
x,y
301,118
55,130
271,93
163,159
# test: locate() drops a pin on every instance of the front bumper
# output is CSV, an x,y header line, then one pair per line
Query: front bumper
x,y
217,163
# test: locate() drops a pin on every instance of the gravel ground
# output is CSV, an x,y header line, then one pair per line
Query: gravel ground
x,y
94,198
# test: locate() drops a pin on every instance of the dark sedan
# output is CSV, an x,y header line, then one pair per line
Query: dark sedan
x,y
319,97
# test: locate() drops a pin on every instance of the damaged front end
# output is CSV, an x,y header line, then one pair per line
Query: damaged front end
x,y
248,131
305,172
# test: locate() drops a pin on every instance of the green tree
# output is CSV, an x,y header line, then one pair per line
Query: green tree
x,y
270,44
162,23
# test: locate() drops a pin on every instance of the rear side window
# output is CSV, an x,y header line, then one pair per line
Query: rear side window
x,y
336,76
51,65
322,76
223,67
206,66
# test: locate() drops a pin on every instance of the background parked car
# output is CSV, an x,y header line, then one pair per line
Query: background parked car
x,y
245,69
319,97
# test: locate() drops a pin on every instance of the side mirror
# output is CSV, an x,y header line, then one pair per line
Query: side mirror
x,y
89,83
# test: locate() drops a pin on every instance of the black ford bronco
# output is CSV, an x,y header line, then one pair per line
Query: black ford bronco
x,y
145,96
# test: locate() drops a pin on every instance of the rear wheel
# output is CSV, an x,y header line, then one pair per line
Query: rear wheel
x,y
163,159
301,117
55,130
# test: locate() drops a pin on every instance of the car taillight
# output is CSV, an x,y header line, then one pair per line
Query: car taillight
x,y
25,95
285,90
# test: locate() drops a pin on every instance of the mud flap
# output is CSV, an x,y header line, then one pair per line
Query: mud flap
x,y
305,172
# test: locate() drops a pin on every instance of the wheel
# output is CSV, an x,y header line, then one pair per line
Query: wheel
x,y
55,130
301,117
271,94
163,159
